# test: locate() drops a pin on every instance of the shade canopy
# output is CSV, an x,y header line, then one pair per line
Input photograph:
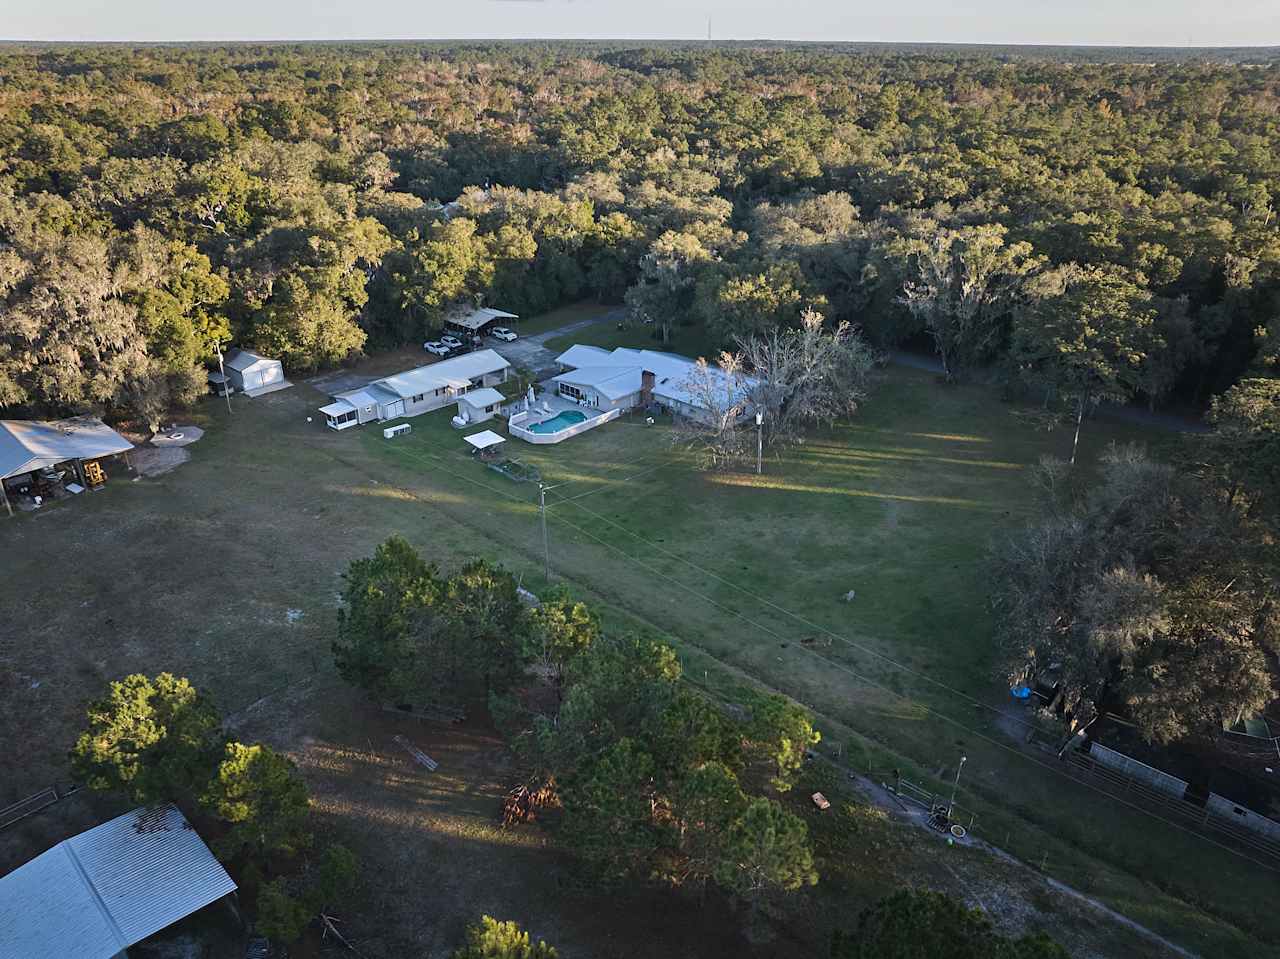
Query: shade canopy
x,y
475,319
29,445
485,440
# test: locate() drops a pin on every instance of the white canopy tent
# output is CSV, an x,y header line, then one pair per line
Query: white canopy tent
x,y
485,440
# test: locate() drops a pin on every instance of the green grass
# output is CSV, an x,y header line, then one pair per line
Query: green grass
x,y
687,340
227,571
561,316
898,506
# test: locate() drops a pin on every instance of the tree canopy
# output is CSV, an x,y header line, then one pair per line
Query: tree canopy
x,y
316,201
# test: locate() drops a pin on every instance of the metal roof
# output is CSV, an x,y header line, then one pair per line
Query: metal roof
x,y
100,892
617,373
27,445
474,319
241,360
485,397
485,439
452,372
615,382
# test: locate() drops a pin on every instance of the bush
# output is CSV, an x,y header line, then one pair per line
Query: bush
x,y
491,939
281,916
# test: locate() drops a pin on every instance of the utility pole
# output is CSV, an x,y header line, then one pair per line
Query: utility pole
x,y
759,441
226,390
546,542
955,785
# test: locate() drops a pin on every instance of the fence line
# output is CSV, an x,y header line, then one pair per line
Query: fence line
x,y
23,808
1201,817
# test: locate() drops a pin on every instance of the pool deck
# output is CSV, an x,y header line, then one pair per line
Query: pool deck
x,y
557,404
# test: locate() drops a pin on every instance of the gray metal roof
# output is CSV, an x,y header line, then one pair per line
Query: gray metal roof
x,y
27,445
100,892
482,397
241,360
478,317
457,371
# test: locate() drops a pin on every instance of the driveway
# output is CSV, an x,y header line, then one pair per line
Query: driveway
x,y
532,352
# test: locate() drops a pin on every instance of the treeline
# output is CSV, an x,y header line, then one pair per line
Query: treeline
x,y
314,201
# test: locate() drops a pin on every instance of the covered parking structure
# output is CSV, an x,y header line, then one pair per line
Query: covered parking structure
x,y
96,894
475,322
32,450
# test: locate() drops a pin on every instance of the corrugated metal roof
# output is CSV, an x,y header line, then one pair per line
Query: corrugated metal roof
x,y
241,360
104,890
459,369
27,445
474,319
612,373
615,382
484,397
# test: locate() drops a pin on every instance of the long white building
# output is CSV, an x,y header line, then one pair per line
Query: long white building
x,y
416,391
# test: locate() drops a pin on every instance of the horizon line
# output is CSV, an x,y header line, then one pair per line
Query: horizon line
x,y
1103,45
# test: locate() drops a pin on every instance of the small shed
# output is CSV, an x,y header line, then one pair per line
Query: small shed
x,y
479,405
251,373
96,894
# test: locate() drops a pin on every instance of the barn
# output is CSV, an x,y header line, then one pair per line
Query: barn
x,y
250,373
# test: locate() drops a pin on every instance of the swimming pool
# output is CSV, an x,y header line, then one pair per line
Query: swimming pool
x,y
561,421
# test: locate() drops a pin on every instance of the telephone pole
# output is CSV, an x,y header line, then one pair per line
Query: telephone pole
x,y
226,390
546,542
955,785
759,441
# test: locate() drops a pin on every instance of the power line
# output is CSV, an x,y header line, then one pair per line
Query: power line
x,y
866,679
800,619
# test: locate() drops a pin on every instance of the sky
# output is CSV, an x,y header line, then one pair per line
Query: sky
x,y
1111,22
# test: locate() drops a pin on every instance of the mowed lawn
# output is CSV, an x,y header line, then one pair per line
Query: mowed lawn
x,y
228,571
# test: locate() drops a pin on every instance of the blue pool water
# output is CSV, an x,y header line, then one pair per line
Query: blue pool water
x,y
561,421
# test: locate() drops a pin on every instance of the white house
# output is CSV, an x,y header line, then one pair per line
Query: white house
x,y
622,378
416,391
250,373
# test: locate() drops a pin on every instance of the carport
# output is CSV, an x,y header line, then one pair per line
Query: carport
x,y
31,451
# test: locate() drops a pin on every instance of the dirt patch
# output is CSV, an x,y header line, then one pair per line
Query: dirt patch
x,y
150,461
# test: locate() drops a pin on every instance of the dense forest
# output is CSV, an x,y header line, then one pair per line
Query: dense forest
x,y
1089,229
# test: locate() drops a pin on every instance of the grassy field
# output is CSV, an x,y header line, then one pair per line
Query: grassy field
x,y
227,571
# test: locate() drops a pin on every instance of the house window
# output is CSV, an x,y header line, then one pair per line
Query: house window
x,y
419,398
572,391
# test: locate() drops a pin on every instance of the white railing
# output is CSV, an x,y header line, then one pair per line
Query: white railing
x,y
516,427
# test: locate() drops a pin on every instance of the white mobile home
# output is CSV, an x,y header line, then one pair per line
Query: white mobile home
x,y
416,391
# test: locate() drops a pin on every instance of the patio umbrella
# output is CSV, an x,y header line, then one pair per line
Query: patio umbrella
x,y
528,403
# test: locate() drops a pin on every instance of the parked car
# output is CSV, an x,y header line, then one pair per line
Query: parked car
x,y
451,341
502,333
437,348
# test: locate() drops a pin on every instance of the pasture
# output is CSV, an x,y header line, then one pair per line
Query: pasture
x,y
228,571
